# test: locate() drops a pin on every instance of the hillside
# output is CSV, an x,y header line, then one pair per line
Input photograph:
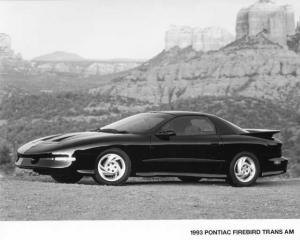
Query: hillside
x,y
58,56
57,72
252,67
34,116
33,83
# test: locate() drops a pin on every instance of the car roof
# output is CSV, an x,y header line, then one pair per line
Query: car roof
x,y
183,113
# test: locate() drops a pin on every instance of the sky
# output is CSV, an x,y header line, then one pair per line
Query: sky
x,y
106,29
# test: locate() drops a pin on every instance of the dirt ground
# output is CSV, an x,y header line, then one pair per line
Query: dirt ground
x,y
39,198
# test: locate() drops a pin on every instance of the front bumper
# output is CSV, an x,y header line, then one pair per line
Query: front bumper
x,y
275,166
42,163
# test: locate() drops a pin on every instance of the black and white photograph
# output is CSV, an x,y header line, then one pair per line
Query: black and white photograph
x,y
144,119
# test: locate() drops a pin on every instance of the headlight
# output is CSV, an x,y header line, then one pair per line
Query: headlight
x,y
64,156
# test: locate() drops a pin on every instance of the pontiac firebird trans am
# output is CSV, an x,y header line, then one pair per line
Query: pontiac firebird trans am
x,y
187,145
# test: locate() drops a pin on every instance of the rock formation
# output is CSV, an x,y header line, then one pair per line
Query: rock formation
x,y
58,56
59,63
99,68
277,21
85,68
294,40
5,45
178,36
251,66
70,63
207,39
9,60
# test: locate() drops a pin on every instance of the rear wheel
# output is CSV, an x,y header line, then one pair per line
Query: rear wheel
x,y
189,179
72,177
244,169
112,167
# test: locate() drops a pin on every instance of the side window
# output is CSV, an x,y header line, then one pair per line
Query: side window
x,y
204,125
191,125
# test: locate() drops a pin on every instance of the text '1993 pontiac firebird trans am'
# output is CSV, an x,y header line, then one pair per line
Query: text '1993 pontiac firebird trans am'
x,y
187,145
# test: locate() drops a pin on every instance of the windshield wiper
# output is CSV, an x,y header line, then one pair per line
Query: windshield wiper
x,y
111,130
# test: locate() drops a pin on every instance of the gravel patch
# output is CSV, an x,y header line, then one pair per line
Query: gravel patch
x,y
43,199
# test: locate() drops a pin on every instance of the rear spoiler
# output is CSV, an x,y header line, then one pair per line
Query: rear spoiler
x,y
261,133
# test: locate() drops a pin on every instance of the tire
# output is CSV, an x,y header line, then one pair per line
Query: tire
x,y
244,169
67,178
112,167
189,179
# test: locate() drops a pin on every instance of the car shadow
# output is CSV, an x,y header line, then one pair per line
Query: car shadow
x,y
275,182
161,181
176,182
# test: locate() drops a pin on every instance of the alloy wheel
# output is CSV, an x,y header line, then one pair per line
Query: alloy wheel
x,y
244,169
111,167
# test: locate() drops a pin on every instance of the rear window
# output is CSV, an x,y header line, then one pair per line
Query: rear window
x,y
225,127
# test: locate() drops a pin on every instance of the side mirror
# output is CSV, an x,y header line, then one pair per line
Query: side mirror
x,y
166,133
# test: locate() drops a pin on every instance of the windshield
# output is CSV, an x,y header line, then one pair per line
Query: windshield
x,y
140,123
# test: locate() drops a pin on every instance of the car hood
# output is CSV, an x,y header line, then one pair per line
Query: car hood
x,y
70,137
67,141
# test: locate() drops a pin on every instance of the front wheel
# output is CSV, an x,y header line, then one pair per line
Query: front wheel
x,y
112,167
244,169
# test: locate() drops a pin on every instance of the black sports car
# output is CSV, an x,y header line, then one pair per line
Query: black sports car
x,y
187,145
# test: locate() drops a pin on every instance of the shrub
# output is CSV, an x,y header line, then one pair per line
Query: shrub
x,y
5,157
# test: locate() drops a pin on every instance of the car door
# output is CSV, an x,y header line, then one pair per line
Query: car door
x,y
194,148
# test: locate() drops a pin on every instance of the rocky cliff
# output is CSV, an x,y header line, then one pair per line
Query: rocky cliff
x,y
294,40
207,39
85,68
5,45
252,66
59,56
9,60
257,64
277,21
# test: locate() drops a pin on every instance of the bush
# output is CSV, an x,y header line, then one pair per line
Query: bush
x,y
6,160
5,153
